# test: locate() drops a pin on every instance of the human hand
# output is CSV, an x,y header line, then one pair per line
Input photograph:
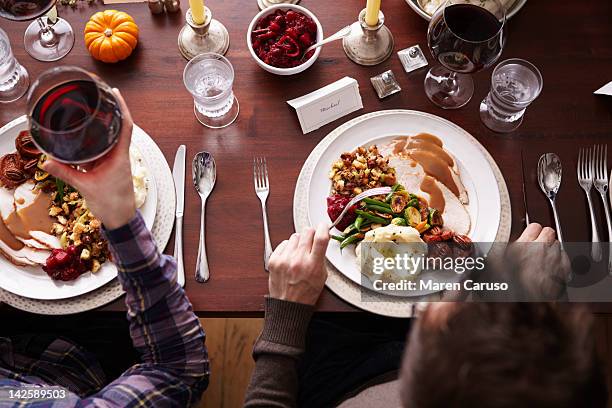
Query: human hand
x,y
543,266
107,185
297,266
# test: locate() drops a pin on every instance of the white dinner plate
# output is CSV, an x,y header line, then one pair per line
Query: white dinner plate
x,y
33,282
414,5
475,170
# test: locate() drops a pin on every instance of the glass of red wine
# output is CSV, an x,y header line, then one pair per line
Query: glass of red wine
x,y
465,36
48,38
74,116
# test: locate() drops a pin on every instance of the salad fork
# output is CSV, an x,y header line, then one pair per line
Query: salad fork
x,y
585,170
262,189
601,184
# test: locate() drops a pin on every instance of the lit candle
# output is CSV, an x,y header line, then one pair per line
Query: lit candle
x,y
197,11
372,9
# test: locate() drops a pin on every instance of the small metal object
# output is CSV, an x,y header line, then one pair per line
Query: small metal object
x,y
549,179
368,193
385,84
204,177
524,191
585,170
178,174
172,6
601,183
267,3
262,189
156,6
412,58
195,39
368,45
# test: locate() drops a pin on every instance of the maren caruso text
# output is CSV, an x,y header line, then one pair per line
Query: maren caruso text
x,y
469,285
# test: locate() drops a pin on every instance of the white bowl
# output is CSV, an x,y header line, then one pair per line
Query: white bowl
x,y
284,71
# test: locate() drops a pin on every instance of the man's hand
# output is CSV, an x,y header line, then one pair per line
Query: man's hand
x,y
543,266
107,185
297,267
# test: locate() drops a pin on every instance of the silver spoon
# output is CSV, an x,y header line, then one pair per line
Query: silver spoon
x,y
549,178
337,36
204,176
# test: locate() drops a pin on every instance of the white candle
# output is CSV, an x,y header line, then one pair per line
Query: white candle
x,y
372,9
197,11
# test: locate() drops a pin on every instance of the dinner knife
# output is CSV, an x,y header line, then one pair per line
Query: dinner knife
x,y
178,174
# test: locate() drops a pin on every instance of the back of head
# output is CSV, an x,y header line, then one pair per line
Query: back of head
x,y
503,355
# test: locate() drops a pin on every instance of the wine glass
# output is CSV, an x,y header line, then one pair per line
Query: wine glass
x,y
48,38
74,116
465,36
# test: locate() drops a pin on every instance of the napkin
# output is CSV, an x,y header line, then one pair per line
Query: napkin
x,y
605,90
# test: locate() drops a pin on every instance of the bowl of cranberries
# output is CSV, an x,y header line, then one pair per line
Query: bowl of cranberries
x,y
279,35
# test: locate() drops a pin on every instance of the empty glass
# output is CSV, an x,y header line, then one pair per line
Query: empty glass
x,y
14,80
514,85
209,78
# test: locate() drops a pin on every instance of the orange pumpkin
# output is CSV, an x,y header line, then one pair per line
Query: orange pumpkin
x,y
111,35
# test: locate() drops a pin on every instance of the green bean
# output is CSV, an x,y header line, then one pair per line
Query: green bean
x,y
358,222
414,202
351,240
337,237
374,218
378,208
390,195
350,229
375,202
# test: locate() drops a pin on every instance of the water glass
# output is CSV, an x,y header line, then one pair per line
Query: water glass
x,y
514,85
209,78
14,80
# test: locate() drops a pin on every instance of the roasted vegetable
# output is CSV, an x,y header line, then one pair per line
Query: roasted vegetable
x,y
399,221
435,218
412,216
385,210
398,203
372,201
358,222
373,218
395,188
337,237
351,240
422,227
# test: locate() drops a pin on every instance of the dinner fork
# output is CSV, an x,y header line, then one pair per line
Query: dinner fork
x,y
262,189
601,184
586,170
358,198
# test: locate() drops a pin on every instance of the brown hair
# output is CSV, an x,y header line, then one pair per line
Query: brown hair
x,y
504,355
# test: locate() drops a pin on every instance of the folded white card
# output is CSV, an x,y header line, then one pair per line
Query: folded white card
x,y
605,90
327,104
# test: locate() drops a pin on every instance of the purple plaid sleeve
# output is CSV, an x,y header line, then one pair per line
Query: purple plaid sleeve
x,y
174,370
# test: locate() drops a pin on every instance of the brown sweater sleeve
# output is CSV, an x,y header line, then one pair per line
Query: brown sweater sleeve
x,y
274,381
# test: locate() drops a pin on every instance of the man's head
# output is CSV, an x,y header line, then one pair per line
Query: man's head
x,y
503,355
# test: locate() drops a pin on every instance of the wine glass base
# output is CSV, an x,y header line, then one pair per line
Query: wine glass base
x,y
49,52
220,121
497,125
448,92
17,89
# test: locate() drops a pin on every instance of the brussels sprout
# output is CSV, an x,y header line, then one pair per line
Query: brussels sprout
x,y
435,218
399,221
40,175
398,203
412,216
414,202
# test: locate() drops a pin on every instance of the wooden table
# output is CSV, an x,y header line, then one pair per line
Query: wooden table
x,y
569,41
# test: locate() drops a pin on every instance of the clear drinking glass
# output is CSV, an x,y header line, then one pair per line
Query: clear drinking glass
x,y
14,80
465,36
209,78
48,38
515,83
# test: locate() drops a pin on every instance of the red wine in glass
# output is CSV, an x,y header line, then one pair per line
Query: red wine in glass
x,y
23,10
74,121
465,36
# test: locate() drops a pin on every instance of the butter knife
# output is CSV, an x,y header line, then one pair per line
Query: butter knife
x,y
178,174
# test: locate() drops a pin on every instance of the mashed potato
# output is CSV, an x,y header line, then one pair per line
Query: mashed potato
x,y
390,233
139,176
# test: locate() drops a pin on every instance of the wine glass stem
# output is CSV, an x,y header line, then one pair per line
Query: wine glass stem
x,y
48,37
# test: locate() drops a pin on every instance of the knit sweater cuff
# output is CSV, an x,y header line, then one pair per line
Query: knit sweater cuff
x,y
286,322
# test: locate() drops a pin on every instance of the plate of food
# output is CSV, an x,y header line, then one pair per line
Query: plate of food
x,y
444,186
427,8
51,245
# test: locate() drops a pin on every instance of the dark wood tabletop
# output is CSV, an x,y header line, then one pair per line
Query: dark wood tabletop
x,y
569,41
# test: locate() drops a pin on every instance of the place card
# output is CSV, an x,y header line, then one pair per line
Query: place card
x,y
605,90
327,104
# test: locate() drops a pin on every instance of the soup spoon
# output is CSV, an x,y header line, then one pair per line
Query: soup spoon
x,y
337,36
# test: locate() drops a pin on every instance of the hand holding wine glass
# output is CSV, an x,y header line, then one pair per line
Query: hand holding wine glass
x,y
465,36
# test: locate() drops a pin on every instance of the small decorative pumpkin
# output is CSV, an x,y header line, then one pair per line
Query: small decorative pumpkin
x,y
111,35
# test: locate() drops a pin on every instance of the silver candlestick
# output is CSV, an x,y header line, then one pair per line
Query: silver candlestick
x,y
267,3
195,39
369,45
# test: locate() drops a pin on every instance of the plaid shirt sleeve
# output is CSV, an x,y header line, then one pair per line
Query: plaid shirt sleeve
x,y
174,370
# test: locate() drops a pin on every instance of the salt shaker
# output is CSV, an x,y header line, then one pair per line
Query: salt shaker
x,y
156,6
172,6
